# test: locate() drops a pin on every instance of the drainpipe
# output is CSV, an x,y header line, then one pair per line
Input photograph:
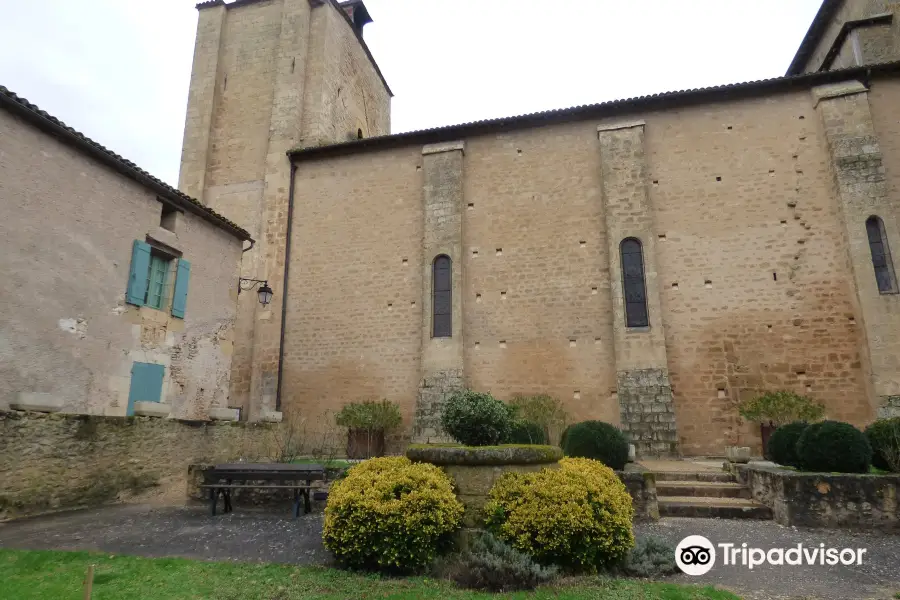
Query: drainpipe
x,y
284,285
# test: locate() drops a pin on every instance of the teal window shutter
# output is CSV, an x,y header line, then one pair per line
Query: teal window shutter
x,y
146,384
137,278
179,298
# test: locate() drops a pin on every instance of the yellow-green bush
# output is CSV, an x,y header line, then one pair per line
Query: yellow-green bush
x,y
391,514
578,516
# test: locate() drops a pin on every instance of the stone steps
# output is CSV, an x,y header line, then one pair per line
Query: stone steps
x,y
702,489
694,476
705,494
721,508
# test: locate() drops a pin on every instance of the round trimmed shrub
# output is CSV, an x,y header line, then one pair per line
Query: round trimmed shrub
x,y
476,419
884,436
526,432
597,440
834,447
391,514
578,516
782,446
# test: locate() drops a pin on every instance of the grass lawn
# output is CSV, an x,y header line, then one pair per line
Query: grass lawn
x,y
33,575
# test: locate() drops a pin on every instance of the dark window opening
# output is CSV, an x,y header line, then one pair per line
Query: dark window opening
x,y
442,302
633,284
359,134
881,256
167,218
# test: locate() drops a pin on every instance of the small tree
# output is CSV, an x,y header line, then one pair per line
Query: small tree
x,y
366,423
781,408
545,410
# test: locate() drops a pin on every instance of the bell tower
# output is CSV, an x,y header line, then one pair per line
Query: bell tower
x,y
269,76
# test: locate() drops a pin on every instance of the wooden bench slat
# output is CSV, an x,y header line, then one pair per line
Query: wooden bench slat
x,y
263,487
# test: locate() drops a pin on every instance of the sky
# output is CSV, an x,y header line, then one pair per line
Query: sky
x,y
118,70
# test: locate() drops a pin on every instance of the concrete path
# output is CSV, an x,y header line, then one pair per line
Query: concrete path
x,y
271,535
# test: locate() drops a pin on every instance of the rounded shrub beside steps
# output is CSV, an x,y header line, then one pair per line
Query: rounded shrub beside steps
x,y
834,447
782,446
884,436
596,440
392,515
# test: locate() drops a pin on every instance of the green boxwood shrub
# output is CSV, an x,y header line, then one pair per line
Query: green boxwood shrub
x,y
526,432
476,419
597,440
884,436
834,447
782,446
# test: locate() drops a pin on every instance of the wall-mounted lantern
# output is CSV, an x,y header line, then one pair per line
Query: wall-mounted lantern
x,y
264,293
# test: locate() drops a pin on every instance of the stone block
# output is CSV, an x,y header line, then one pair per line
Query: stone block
x,y
271,416
152,409
37,402
737,454
224,414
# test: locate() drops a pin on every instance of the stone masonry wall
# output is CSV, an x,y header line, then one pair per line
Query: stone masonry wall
x,y
648,413
755,285
56,461
863,190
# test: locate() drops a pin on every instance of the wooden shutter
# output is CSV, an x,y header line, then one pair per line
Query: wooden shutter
x,y
146,384
137,278
179,298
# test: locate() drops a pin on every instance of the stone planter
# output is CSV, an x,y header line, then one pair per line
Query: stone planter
x,y
475,469
737,454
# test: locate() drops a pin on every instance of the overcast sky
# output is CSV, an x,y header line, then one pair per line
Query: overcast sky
x,y
118,70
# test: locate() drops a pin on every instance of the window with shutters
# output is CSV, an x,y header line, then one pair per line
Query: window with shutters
x,y
633,284
881,256
441,300
157,279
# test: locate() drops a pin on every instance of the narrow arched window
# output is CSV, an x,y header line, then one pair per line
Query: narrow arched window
x,y
441,300
881,256
633,284
359,134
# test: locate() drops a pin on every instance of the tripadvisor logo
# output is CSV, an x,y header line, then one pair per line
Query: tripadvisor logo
x,y
696,555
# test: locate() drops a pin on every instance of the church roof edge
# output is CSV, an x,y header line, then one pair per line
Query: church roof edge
x,y
602,109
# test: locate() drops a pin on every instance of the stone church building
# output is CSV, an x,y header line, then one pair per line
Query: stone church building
x,y
650,261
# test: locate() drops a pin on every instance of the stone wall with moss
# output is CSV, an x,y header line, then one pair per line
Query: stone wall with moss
x,y
58,461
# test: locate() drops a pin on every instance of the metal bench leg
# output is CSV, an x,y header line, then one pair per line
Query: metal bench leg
x,y
213,498
307,507
296,503
226,494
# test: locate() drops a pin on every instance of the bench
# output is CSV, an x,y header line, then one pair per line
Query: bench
x,y
288,477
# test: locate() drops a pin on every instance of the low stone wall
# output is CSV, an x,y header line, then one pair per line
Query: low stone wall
x,y
57,461
475,470
641,486
825,499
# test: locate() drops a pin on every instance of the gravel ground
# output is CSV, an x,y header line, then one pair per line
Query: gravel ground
x,y
877,577
243,535
272,535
